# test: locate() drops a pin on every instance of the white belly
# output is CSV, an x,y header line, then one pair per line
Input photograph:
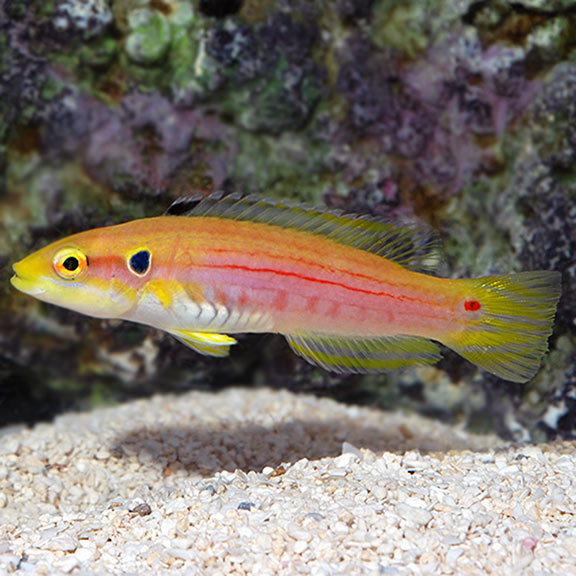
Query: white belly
x,y
185,314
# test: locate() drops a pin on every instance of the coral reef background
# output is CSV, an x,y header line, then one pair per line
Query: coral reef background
x,y
461,113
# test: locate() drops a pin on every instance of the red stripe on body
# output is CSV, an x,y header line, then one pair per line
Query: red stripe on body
x,y
298,260
308,279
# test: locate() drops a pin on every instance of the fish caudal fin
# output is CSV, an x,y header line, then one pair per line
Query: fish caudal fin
x,y
511,318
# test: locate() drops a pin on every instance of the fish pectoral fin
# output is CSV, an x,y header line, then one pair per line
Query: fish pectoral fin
x,y
206,343
363,355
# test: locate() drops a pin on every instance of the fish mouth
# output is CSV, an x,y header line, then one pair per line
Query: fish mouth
x,y
23,284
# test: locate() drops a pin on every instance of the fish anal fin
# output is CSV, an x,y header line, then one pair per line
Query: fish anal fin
x,y
363,355
407,242
207,343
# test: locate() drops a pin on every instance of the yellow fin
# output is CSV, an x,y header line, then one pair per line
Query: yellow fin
x,y
163,290
406,242
205,342
362,355
510,323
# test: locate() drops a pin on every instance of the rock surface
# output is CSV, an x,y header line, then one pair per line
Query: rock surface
x,y
461,113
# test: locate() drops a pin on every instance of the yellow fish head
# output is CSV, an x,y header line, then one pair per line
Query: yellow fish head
x,y
78,274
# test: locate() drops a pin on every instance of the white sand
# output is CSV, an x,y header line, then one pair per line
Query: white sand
x,y
261,482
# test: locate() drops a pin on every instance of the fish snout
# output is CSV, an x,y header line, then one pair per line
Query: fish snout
x,y
22,281
18,273
17,268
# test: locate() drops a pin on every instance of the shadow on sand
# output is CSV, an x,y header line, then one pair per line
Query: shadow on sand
x,y
205,450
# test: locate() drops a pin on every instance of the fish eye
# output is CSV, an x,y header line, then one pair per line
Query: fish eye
x,y
139,262
70,263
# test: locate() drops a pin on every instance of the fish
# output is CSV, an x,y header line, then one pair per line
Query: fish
x,y
350,293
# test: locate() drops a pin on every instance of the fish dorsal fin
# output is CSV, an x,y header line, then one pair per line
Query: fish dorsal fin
x,y
410,244
205,342
363,355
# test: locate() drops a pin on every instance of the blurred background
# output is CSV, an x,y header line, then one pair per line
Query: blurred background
x,y
462,113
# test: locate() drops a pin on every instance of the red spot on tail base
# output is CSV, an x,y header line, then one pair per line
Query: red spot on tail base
x,y
472,305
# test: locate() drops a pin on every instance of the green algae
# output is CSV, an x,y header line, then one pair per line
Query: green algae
x,y
402,26
100,54
31,185
52,88
149,38
544,5
265,105
550,40
410,27
267,163
192,72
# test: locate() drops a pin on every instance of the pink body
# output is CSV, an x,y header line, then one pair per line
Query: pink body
x,y
303,282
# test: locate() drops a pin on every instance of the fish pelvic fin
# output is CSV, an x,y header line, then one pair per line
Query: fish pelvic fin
x,y
511,319
363,355
206,343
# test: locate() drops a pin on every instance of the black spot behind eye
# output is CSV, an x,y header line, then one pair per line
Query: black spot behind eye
x,y
140,262
71,263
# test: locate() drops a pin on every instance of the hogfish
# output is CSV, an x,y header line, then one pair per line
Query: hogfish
x,y
349,293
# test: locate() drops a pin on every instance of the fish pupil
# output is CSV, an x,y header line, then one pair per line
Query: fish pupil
x,y
71,263
140,262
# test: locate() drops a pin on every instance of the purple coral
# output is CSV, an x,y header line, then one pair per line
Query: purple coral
x,y
432,112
